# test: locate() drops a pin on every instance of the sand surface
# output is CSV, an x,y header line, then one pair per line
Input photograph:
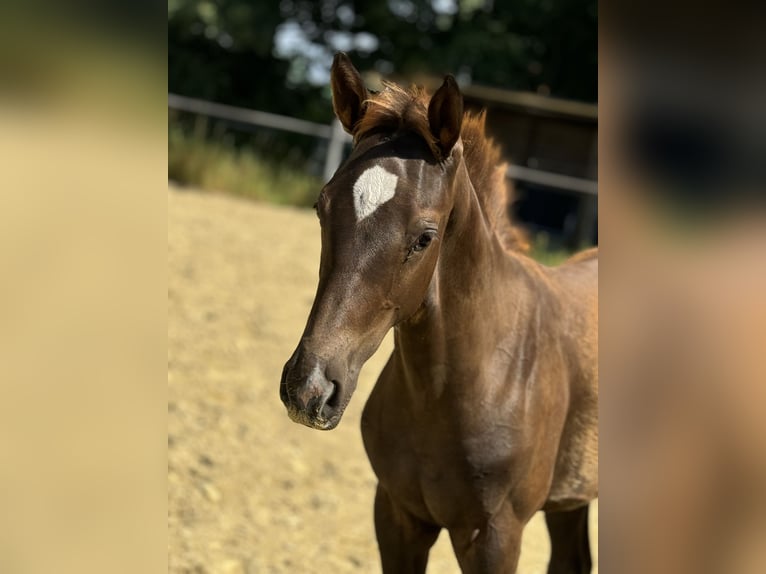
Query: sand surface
x,y
249,491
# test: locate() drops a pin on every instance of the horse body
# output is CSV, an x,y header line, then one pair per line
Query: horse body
x,y
486,411
506,417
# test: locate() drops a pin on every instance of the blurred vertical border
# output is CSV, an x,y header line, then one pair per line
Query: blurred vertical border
x,y
683,284
83,94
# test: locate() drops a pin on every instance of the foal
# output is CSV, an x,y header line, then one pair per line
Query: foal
x,y
486,411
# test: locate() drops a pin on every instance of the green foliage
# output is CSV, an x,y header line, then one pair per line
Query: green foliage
x,y
549,258
545,253
275,56
195,160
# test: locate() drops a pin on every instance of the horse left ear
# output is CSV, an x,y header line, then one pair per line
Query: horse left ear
x,y
348,91
445,115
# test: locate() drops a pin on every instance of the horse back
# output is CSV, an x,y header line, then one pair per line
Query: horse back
x,y
575,480
587,255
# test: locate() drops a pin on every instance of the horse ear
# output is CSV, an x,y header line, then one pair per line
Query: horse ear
x,y
348,91
445,115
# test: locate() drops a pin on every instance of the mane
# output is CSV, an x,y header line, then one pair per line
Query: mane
x,y
398,109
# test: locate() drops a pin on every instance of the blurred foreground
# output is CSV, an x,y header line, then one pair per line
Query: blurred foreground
x,y
82,297
683,300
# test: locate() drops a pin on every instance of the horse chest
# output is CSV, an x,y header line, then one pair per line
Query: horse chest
x,y
445,479
466,484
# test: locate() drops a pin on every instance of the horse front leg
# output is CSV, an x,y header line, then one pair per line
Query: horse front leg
x,y
570,547
492,549
404,540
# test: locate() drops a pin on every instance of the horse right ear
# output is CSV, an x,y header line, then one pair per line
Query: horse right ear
x,y
348,91
445,115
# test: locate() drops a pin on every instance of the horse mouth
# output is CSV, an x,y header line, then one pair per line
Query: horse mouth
x,y
317,422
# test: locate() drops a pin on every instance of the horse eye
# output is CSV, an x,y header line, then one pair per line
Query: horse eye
x,y
423,242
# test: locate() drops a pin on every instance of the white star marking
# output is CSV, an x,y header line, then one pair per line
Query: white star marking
x,y
373,188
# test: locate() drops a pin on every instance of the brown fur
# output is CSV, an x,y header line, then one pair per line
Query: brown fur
x,y
591,253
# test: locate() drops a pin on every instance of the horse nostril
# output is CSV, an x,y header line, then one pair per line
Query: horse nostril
x,y
333,399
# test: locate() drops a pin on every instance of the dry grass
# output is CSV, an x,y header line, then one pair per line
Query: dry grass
x,y
198,162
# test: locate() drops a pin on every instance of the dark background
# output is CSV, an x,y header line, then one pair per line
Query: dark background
x,y
275,56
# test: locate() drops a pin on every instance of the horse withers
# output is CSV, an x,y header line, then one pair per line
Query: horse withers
x,y
487,410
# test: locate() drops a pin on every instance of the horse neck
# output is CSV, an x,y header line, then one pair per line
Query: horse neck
x,y
478,294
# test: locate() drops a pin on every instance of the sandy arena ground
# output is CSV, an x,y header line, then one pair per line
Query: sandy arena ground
x,y
248,490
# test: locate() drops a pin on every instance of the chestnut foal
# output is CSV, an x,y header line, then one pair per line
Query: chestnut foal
x,y
487,410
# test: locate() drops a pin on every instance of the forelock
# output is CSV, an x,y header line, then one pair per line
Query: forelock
x,y
396,109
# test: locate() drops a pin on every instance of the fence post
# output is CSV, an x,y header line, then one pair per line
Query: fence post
x,y
334,149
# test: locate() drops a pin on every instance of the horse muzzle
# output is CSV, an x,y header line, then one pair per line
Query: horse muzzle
x,y
312,391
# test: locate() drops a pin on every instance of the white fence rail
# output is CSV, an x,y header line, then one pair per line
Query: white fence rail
x,y
247,116
334,132
550,179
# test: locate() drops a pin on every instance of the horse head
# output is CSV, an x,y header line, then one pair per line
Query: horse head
x,y
383,217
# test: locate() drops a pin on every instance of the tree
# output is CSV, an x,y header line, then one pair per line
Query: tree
x,y
276,56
